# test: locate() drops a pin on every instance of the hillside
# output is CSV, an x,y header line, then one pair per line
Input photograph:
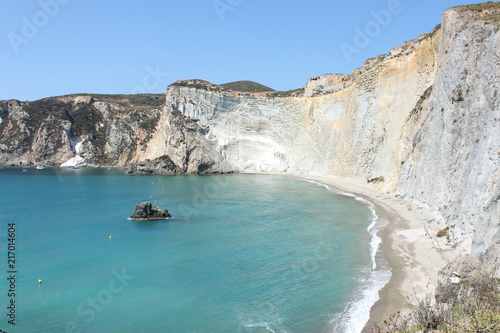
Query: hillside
x,y
246,86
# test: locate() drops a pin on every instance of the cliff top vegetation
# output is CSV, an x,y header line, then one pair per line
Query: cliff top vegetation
x,y
487,11
246,86
135,101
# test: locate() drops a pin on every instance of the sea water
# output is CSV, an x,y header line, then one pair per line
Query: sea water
x,y
242,253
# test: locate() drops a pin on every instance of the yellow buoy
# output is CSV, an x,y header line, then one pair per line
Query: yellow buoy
x,y
110,237
39,281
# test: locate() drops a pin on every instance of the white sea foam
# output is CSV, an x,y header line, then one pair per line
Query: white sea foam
x,y
317,183
261,325
357,313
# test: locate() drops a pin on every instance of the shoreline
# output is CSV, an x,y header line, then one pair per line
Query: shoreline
x,y
414,255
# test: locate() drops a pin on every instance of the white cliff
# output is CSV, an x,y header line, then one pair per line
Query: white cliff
x,y
352,133
449,155
425,117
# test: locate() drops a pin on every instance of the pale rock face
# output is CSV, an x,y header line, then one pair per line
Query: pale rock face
x,y
451,149
326,84
352,133
12,148
52,142
185,143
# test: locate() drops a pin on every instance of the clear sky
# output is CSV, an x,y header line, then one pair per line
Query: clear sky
x,y
56,47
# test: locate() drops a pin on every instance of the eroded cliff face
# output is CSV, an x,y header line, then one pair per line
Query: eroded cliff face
x,y
422,121
47,131
449,153
352,133
179,145
115,130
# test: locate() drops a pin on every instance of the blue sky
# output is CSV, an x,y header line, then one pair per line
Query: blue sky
x,y
57,47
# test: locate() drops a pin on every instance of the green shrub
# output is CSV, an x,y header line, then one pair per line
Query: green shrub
x,y
379,179
289,93
475,307
444,232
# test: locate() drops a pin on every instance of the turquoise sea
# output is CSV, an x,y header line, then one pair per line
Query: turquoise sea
x,y
243,253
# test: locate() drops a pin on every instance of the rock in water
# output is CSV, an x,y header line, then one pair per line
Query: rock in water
x,y
148,211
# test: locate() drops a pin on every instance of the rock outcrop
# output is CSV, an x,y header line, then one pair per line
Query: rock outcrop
x,y
326,84
449,150
162,165
44,132
148,211
181,145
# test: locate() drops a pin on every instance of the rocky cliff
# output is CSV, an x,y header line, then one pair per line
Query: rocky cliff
x,y
421,122
102,130
449,150
352,133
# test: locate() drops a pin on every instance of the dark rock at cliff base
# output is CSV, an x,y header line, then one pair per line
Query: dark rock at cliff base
x,y
148,211
198,164
160,165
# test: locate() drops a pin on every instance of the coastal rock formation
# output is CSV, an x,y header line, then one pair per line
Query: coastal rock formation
x,y
352,133
113,130
422,122
326,84
148,211
180,145
162,165
118,130
449,150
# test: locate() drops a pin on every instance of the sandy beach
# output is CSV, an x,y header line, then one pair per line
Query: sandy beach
x,y
409,244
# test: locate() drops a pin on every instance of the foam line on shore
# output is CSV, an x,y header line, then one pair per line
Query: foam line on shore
x,y
357,312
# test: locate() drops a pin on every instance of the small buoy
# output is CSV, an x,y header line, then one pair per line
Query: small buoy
x,y
162,189
110,237
150,196
39,280
155,200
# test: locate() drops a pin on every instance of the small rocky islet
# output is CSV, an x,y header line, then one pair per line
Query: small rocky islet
x,y
147,211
